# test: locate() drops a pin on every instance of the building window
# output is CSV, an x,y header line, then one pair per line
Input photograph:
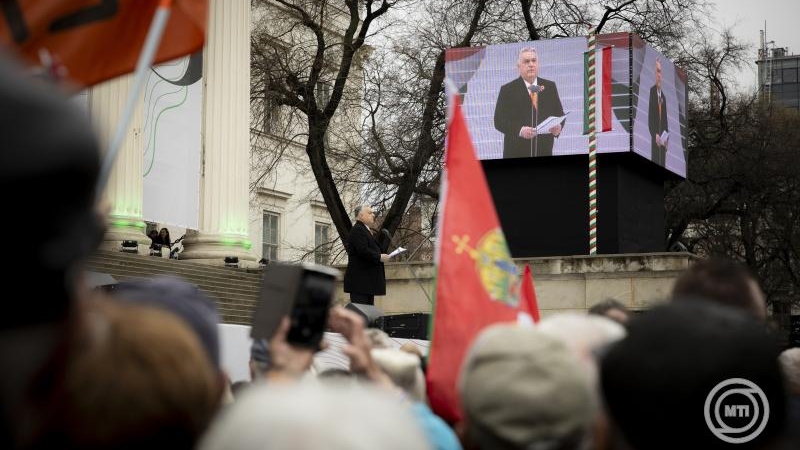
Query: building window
x,y
790,75
269,236
322,243
776,76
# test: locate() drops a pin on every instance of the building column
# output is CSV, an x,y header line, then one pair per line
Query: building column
x,y
226,138
124,190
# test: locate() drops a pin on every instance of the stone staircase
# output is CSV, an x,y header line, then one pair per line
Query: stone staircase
x,y
234,290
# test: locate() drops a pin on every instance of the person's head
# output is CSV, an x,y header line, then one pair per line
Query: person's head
x,y
410,347
378,338
49,166
658,72
142,381
528,64
404,370
587,335
164,233
364,214
656,382
521,388
49,157
153,234
259,359
185,300
238,388
612,309
309,416
721,281
790,363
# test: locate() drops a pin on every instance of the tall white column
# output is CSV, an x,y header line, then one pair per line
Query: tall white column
x,y
124,190
226,138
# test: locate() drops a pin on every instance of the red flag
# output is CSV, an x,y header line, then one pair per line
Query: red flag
x,y
528,303
95,40
477,282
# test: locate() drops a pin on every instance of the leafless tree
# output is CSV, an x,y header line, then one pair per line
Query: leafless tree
x,y
307,61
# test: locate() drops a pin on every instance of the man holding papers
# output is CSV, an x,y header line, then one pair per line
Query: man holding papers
x,y
657,118
364,277
523,105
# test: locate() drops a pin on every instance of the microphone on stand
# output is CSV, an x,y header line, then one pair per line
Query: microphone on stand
x,y
535,89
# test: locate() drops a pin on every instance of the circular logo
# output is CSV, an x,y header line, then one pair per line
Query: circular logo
x,y
736,410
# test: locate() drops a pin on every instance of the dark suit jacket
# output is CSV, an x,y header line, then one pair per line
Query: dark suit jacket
x,y
364,274
514,110
657,125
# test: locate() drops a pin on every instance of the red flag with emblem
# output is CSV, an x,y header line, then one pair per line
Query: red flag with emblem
x,y
95,40
477,282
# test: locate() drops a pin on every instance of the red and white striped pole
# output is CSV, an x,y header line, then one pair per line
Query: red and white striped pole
x,y
592,147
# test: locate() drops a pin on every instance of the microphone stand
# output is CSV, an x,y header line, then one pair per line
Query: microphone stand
x,y
536,124
534,113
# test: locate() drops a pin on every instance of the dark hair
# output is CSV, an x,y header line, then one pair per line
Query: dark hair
x,y
721,281
46,142
606,305
656,380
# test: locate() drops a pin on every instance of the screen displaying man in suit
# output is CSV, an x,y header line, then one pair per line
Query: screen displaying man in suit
x,y
657,118
364,277
522,105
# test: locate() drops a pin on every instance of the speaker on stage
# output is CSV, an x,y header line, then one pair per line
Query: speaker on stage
x,y
370,313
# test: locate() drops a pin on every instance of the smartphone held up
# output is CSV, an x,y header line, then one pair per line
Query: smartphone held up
x,y
302,292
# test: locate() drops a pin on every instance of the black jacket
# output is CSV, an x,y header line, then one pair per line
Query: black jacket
x,y
514,110
657,124
364,274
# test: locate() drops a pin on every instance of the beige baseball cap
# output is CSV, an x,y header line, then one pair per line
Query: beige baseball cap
x,y
521,388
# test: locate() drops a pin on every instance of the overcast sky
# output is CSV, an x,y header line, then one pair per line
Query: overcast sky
x,y
747,17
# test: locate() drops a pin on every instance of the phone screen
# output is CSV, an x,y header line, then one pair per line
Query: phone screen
x,y
310,312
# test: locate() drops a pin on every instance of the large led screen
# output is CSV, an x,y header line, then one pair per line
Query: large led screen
x,y
659,108
530,99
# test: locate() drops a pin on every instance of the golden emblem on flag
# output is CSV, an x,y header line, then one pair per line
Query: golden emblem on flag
x,y
496,270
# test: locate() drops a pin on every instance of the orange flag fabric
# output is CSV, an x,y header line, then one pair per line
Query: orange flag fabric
x,y
96,40
477,283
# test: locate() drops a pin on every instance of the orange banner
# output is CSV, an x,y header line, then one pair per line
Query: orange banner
x,y
94,40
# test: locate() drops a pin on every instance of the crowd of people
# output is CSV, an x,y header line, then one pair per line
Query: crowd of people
x,y
139,367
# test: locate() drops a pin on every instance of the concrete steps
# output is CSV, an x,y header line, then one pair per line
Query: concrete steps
x,y
234,290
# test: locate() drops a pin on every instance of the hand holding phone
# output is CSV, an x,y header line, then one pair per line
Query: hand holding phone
x,y
351,326
287,361
303,293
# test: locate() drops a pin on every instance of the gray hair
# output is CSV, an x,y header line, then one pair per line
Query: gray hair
x,y
404,369
282,415
358,208
526,50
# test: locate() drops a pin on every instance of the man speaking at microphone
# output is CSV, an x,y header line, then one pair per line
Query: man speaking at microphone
x,y
522,105
364,277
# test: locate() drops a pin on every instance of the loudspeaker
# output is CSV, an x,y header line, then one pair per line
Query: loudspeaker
x,y
408,326
370,313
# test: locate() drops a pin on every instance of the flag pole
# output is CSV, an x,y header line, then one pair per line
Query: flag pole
x,y
592,146
151,43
